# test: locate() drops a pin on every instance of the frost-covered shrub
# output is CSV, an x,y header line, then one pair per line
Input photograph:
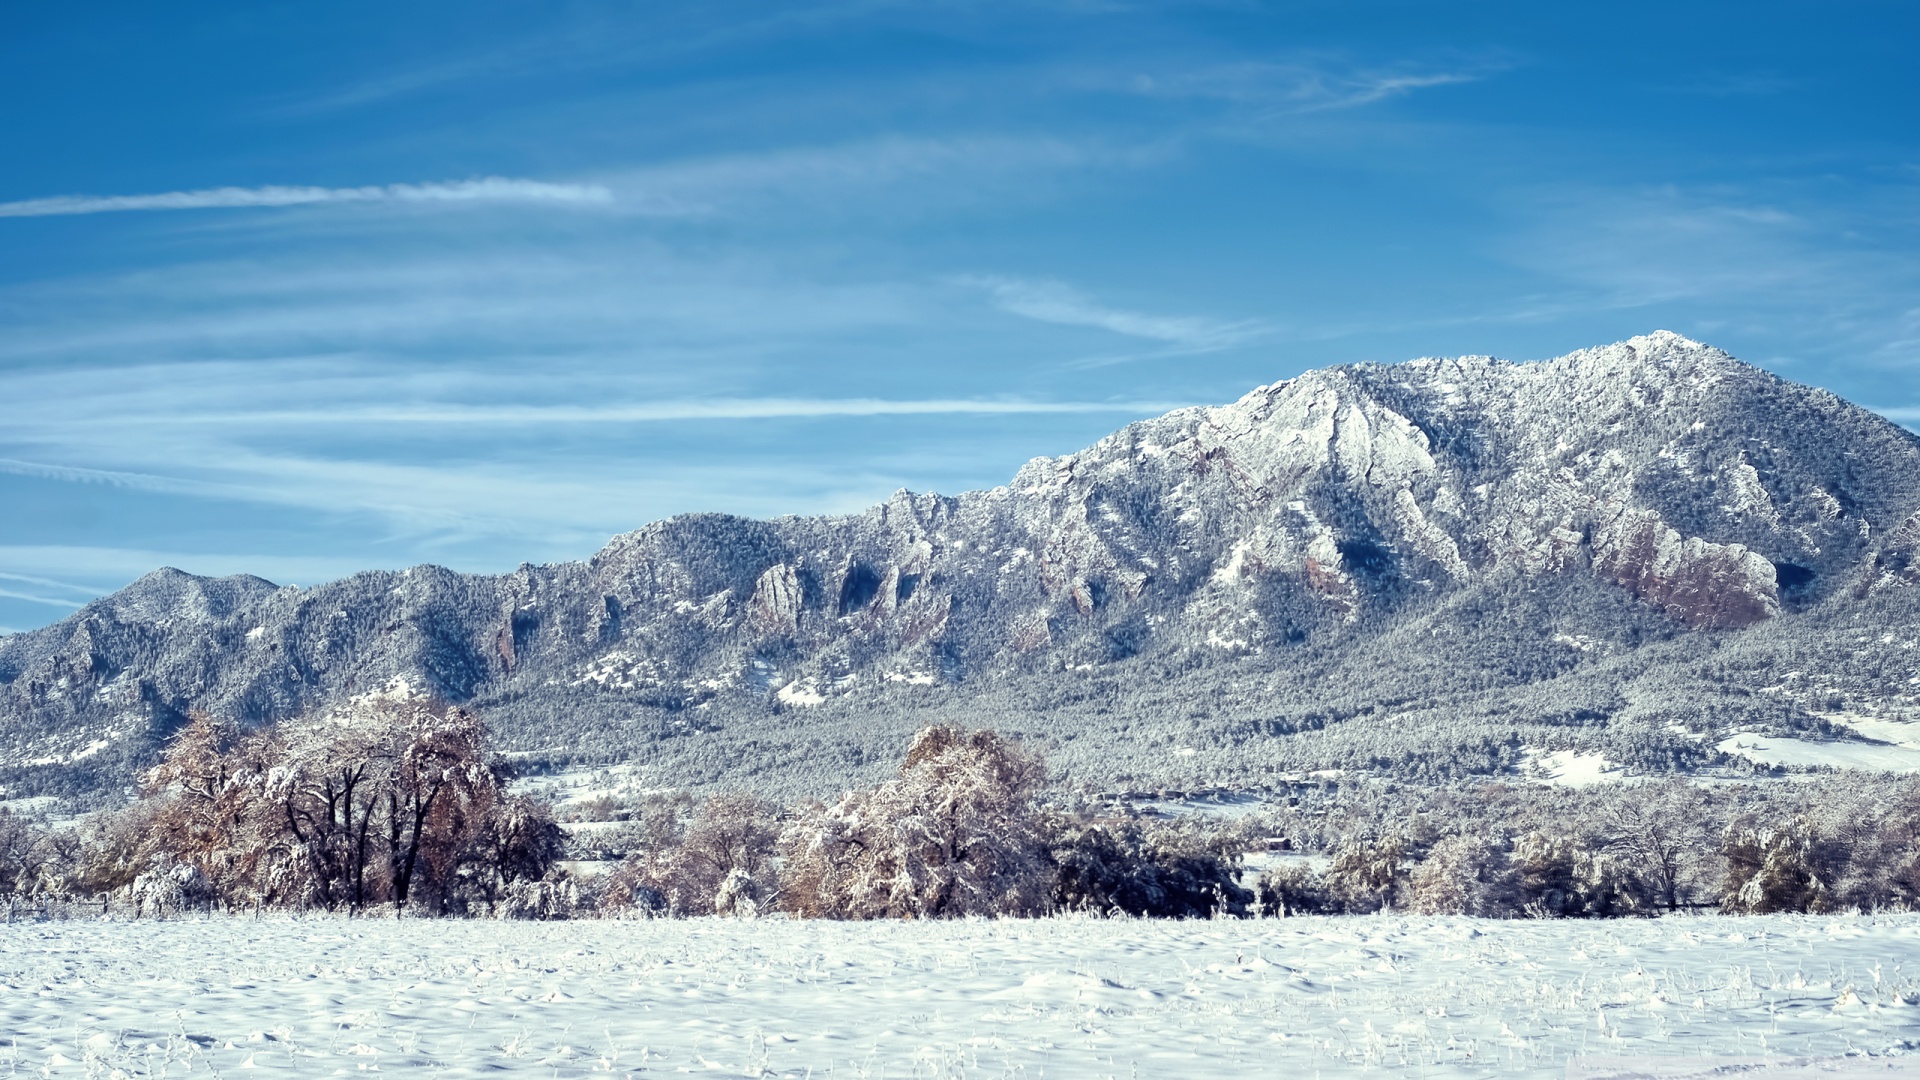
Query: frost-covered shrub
x,y
620,895
116,848
739,896
954,834
1175,871
687,862
1292,888
1556,874
1462,875
1369,875
1774,868
169,886
557,898
1866,846
1851,846
1660,831
1892,882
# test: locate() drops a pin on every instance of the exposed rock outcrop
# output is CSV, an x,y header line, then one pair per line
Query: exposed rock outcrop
x,y
775,606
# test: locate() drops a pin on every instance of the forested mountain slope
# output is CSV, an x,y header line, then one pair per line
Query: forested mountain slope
x,y
1435,569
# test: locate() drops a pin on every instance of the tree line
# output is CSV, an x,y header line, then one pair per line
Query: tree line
x,y
1837,844
398,802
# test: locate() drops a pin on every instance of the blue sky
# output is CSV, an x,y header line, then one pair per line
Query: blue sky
x,y
298,290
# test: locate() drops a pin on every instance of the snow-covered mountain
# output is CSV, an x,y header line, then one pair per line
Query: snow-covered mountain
x,y
1440,568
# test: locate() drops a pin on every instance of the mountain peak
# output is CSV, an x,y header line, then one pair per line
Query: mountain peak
x,y
1269,562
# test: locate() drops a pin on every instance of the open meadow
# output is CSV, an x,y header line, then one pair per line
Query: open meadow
x,y
1068,997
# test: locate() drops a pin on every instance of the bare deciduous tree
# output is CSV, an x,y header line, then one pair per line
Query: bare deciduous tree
x,y
394,797
1660,832
687,865
954,834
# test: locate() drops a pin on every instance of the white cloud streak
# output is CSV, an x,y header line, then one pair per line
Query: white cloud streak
x,y
1055,302
651,412
49,583
1300,87
227,439
31,598
891,174
486,189
1319,96
72,474
678,189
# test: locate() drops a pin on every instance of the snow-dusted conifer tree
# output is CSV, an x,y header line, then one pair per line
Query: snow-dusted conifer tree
x,y
1178,870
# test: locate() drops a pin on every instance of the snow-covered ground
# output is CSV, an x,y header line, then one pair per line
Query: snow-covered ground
x,y
1568,767
1381,996
581,784
1886,729
1833,754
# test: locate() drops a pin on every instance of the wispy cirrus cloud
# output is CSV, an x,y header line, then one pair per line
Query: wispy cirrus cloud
x,y
1787,263
627,298
1305,86
867,177
72,474
485,189
912,171
45,582
1062,304
585,42
47,592
31,598
1380,87
425,453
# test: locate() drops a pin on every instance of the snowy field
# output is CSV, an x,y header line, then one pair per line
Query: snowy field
x,y
1304,997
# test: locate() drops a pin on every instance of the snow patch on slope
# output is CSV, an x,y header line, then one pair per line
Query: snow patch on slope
x,y
802,692
1569,768
1809,754
1902,733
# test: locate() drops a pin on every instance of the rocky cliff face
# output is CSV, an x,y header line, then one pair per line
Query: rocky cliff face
x,y
1656,489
